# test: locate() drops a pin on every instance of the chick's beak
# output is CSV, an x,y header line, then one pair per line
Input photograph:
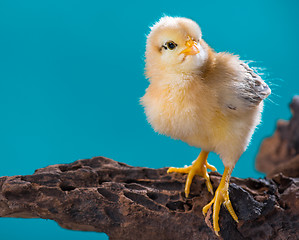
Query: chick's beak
x,y
191,49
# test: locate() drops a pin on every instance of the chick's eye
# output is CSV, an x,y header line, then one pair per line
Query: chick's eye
x,y
171,45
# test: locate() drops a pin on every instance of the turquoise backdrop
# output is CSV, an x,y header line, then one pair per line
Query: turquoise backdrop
x,y
71,75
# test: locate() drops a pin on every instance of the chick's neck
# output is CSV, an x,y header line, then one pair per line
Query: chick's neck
x,y
210,62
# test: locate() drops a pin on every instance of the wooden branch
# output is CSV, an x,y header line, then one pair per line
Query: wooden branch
x,y
126,202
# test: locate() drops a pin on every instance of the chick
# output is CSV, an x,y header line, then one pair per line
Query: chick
x,y
209,100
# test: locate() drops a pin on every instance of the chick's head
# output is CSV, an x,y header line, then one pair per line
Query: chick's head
x,y
174,45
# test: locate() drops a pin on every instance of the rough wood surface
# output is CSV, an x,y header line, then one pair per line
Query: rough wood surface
x,y
126,202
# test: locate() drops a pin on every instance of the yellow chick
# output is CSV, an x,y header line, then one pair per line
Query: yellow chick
x,y
209,100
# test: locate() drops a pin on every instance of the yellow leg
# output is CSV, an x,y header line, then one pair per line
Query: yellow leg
x,y
221,196
198,167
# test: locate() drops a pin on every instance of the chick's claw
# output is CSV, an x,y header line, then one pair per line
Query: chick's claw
x,y
199,167
221,196
211,167
179,170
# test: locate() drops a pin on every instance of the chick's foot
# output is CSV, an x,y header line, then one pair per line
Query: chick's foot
x,y
221,196
199,167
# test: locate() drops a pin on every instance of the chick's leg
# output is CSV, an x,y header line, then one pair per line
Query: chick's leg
x,y
199,167
221,196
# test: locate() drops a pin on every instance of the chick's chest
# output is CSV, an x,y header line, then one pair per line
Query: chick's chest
x,y
177,108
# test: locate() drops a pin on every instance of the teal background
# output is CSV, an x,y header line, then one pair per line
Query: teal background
x,y
71,75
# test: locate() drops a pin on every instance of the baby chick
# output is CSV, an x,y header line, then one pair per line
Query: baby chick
x,y
209,100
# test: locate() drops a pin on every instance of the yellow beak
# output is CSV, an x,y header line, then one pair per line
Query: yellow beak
x,y
192,48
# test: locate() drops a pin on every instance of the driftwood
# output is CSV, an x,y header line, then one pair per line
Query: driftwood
x,y
127,202
130,203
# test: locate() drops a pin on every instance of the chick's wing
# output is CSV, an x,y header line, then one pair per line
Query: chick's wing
x,y
254,89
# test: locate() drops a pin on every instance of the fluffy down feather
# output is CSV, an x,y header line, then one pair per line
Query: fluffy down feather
x,y
209,100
